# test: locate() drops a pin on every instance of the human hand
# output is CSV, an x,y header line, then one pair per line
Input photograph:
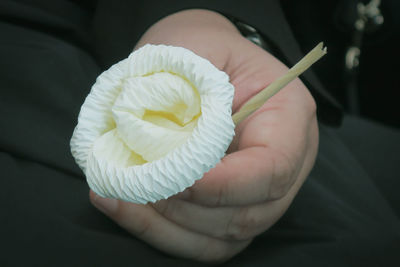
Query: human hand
x,y
270,157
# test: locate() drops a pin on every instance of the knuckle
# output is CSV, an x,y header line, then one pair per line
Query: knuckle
x,y
282,177
243,225
217,196
165,208
144,227
220,195
308,104
311,105
138,225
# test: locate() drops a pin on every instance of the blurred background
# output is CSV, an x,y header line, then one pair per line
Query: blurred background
x,y
367,33
363,33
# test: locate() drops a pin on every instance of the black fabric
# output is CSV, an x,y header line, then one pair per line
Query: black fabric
x,y
119,24
346,214
333,21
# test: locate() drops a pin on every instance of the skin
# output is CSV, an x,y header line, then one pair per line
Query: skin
x,y
270,157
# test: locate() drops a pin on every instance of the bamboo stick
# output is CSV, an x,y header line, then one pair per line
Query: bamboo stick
x,y
259,99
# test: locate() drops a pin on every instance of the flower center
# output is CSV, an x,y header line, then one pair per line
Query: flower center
x,y
156,113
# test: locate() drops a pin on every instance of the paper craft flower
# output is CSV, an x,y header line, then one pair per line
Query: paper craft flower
x,y
153,124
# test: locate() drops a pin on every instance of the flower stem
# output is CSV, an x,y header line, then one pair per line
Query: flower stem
x,y
259,99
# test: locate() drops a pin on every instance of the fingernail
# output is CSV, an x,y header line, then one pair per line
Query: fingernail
x,y
106,205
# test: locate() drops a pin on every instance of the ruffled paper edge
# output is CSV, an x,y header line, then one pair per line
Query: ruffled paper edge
x,y
185,164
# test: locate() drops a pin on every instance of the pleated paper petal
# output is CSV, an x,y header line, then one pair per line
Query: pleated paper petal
x,y
153,124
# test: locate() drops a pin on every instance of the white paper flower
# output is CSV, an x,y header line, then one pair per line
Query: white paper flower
x,y
153,124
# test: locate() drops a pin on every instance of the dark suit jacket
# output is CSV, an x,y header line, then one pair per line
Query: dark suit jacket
x,y
51,53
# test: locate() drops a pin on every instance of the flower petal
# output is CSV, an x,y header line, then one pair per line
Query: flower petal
x,y
153,124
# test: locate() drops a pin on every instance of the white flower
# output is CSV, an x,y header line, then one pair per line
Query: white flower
x,y
153,124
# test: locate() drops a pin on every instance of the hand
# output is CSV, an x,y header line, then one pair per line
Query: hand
x,y
269,159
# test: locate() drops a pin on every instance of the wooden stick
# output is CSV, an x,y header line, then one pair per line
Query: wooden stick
x,y
259,99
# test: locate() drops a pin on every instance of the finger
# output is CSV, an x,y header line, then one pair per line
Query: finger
x,y
272,147
241,178
252,175
229,223
148,225
226,223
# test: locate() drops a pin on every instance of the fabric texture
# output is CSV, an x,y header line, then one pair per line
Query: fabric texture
x,y
346,214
